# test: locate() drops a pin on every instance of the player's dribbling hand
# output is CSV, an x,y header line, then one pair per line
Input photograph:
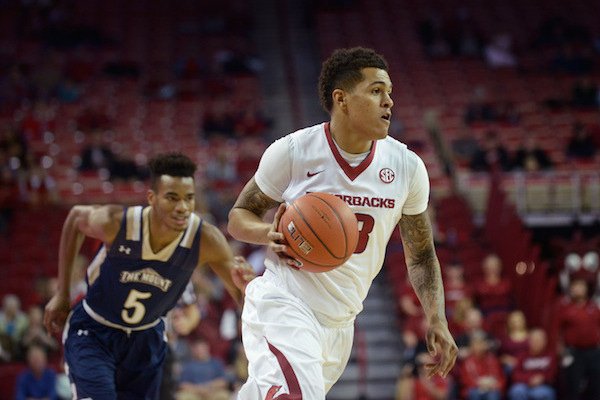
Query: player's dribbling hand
x,y
277,241
242,273
442,348
56,313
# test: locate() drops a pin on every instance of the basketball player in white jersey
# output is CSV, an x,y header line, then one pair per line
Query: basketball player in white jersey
x,y
297,325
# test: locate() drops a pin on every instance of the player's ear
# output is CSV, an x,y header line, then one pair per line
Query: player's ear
x,y
150,196
339,98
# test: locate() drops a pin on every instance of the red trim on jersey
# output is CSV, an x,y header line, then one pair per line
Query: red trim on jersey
x,y
350,171
290,378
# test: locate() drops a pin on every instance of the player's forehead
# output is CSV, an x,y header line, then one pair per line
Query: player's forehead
x,y
375,76
181,185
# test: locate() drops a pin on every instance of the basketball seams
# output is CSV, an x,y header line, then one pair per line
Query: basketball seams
x,y
298,211
340,220
291,249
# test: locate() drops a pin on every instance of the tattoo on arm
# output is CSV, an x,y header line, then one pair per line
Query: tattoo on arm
x,y
423,265
254,200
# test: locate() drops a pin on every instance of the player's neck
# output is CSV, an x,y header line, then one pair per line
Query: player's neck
x,y
348,139
160,235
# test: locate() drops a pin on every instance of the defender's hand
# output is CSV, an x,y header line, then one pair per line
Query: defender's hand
x,y
56,313
242,273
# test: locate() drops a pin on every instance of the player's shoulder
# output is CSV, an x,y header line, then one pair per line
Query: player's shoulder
x,y
307,133
211,235
399,149
213,243
103,213
393,144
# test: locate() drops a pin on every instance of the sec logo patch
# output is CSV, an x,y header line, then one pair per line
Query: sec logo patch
x,y
386,175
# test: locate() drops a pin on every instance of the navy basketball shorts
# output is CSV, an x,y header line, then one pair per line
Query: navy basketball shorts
x,y
107,363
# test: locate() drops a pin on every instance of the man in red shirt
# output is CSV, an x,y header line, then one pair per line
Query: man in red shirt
x,y
534,371
481,375
493,292
578,324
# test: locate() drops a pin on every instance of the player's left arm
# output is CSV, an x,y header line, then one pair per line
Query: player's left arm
x,y
235,272
426,278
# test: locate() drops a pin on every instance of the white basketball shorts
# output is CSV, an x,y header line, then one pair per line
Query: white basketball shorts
x,y
291,355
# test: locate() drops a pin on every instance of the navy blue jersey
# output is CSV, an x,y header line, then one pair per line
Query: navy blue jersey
x,y
130,286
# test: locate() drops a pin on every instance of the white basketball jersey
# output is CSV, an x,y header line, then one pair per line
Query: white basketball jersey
x,y
376,190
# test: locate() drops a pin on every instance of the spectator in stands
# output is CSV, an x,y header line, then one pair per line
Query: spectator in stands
x,y
181,321
581,145
583,265
9,194
16,148
221,169
434,36
13,323
480,108
458,322
421,387
585,93
251,123
37,120
492,156
41,185
535,371
530,157
473,325
493,293
97,155
203,377
455,287
36,334
578,326
481,375
499,53
514,342
38,381
218,121
464,147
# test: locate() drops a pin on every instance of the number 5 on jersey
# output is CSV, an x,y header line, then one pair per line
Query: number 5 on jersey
x,y
133,310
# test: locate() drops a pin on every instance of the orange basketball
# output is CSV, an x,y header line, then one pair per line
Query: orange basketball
x,y
321,231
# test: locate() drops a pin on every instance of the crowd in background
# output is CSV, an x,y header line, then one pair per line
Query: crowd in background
x,y
501,355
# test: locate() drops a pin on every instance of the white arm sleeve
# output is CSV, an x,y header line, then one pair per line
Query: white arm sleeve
x,y
275,169
418,189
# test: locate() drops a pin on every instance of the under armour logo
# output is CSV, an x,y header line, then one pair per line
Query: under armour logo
x,y
124,249
82,332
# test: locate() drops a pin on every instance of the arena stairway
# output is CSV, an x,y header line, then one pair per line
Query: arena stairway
x,y
375,362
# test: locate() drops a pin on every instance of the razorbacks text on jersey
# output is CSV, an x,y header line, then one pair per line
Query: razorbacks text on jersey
x,y
130,286
389,182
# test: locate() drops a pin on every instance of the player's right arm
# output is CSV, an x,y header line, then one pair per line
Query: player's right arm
x,y
94,221
262,193
246,222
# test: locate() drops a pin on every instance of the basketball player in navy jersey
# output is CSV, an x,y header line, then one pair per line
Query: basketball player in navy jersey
x,y
114,339
297,326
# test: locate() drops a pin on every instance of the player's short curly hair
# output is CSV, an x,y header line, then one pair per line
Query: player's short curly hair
x,y
342,70
172,164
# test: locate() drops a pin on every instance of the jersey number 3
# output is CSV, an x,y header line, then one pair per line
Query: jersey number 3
x,y
365,226
133,310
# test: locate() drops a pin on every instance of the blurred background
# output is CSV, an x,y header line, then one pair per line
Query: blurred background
x,y
500,98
